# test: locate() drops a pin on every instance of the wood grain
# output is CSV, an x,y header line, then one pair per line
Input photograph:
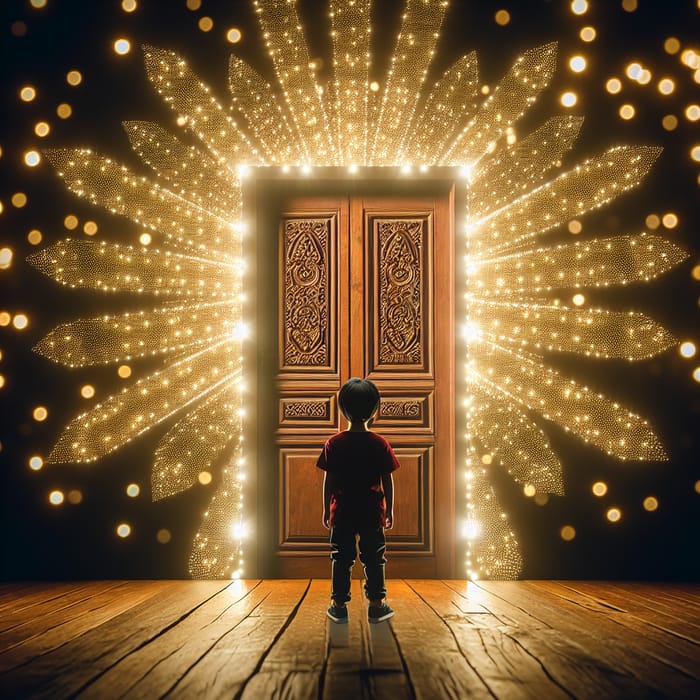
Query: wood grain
x,y
272,639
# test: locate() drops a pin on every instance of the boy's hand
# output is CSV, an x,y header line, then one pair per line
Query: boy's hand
x,y
389,521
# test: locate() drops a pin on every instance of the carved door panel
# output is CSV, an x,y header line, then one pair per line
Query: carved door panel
x,y
366,289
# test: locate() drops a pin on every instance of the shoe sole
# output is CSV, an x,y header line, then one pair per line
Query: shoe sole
x,y
338,620
375,620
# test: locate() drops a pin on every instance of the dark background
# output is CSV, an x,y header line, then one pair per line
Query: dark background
x,y
41,541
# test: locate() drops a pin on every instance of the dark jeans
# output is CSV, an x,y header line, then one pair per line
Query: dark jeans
x,y
343,552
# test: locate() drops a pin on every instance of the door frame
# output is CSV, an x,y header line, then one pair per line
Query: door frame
x,y
262,187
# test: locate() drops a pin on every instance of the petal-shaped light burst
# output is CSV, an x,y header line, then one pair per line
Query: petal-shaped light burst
x,y
516,194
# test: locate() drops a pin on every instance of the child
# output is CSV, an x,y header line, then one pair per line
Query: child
x,y
358,465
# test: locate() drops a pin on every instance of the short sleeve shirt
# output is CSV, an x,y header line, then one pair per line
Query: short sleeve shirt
x,y
356,461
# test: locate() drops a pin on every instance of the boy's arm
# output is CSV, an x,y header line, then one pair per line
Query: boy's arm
x,y
388,484
326,500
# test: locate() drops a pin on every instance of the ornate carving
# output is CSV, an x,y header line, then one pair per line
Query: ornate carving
x,y
305,408
400,291
396,408
306,299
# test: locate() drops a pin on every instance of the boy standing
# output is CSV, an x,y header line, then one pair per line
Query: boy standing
x,y
358,499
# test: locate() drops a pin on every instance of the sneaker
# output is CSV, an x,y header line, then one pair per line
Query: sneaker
x,y
338,614
379,613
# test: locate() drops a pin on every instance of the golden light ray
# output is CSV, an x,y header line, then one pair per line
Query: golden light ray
x,y
110,338
195,442
516,193
509,436
190,173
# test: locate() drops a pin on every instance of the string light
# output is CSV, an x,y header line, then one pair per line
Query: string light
x,y
190,259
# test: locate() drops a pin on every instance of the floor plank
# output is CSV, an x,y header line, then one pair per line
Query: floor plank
x,y
236,657
66,669
292,668
272,639
507,668
154,669
611,656
435,663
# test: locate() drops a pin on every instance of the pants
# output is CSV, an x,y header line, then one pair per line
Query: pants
x,y
343,552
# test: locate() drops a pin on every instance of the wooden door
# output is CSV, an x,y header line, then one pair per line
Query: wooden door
x,y
365,288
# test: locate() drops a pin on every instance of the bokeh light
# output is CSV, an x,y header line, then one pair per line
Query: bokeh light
x,y
34,236
27,93
20,321
692,112
650,504
36,463
193,5
74,77
75,497
56,497
122,46
672,45
206,24
541,498
204,478
123,530
669,122
42,129
164,536
145,239
568,533
64,110
40,413
71,222
669,220
613,85
6,256
575,226
32,158
124,371
579,7
233,35
577,64
652,221
87,391
666,86
133,490
599,488
129,5
614,515
627,111
19,200
18,28
588,34
502,17
89,228
529,490
568,99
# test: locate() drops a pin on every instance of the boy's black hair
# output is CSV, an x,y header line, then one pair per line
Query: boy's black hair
x,y
358,399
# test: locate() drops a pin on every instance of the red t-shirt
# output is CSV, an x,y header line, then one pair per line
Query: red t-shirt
x,y
355,462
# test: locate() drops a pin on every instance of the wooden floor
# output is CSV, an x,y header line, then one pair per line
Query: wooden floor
x,y
269,639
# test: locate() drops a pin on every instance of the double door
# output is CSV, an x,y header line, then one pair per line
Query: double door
x,y
364,288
